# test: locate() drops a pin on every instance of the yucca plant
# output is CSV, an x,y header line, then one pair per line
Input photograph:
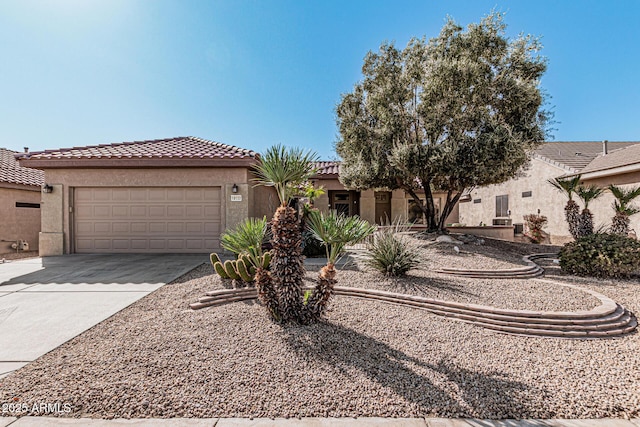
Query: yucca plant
x,y
623,209
335,232
568,186
280,289
390,253
587,194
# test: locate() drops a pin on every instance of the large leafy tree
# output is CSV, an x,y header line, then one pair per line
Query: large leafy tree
x,y
461,110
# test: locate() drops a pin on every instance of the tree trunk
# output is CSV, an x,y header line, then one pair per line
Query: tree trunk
x,y
572,215
317,304
586,223
448,207
267,293
287,269
620,224
428,208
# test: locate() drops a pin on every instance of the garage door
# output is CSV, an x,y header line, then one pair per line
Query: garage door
x,y
147,219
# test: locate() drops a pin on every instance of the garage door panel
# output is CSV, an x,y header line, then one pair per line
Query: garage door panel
x,y
147,219
120,211
121,227
175,211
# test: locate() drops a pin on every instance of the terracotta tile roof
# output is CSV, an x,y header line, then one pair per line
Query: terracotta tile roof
x,y
575,155
11,172
627,156
328,168
187,147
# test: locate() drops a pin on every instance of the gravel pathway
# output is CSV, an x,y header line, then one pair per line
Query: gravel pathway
x,y
158,358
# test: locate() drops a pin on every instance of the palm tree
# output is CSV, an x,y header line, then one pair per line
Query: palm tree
x,y
284,168
587,195
623,209
568,186
335,232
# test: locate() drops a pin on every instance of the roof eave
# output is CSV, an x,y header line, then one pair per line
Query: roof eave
x,y
17,186
137,163
610,172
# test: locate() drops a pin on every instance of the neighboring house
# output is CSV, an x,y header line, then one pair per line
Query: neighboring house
x,y
168,195
19,203
599,163
377,207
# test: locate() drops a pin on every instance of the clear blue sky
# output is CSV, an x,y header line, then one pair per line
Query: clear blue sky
x,y
256,73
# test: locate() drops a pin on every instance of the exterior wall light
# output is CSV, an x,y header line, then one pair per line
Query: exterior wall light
x,y
234,189
47,189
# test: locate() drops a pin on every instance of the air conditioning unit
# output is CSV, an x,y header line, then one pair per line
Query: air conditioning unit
x,y
502,221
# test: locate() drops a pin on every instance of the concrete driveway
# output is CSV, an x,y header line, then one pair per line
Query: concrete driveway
x,y
45,302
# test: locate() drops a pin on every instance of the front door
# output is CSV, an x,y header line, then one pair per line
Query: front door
x,y
345,202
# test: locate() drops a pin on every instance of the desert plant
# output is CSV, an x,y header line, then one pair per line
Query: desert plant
x,y
601,255
623,209
390,253
280,289
535,224
250,233
568,186
335,232
242,270
587,194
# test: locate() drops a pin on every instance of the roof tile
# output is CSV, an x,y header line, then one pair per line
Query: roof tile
x,y
11,172
575,155
328,168
187,147
624,157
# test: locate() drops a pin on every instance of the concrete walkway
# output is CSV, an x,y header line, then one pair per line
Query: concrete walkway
x,y
311,422
45,302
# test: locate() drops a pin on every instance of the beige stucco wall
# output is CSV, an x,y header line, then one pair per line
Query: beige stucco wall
x,y
19,223
550,201
57,220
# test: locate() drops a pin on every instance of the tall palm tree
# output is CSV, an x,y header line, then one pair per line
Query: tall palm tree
x,y
335,232
568,186
623,208
284,168
587,194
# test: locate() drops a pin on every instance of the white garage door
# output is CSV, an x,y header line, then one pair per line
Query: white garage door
x,y
141,219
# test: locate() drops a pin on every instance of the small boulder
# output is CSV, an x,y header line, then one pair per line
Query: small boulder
x,y
448,239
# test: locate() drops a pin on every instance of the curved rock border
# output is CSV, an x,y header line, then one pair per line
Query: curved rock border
x,y
531,270
609,319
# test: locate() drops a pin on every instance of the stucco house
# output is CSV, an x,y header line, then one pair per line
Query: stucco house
x,y
376,206
600,163
19,203
173,195
169,195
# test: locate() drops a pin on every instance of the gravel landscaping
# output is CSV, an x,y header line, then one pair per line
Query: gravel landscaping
x,y
158,358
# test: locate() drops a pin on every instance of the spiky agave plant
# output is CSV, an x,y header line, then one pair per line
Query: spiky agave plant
x,y
284,168
335,232
587,194
623,209
568,186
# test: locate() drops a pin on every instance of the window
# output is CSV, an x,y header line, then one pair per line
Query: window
x,y
476,201
526,194
27,205
415,214
502,205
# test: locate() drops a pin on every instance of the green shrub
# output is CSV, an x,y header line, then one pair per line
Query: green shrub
x,y
250,233
391,254
601,255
